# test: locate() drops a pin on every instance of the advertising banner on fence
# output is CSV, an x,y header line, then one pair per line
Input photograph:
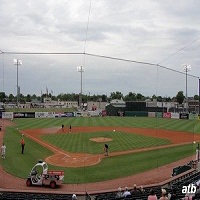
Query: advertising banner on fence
x,y
175,115
24,115
93,113
7,115
69,114
151,114
193,116
159,114
184,116
65,114
103,113
44,114
167,115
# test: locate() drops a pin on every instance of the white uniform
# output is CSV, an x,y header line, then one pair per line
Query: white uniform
x,y
197,155
3,151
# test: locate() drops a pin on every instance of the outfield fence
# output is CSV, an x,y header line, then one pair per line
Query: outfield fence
x,y
170,115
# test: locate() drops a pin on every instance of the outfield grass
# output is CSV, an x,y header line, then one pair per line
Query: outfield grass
x,y
120,166
192,126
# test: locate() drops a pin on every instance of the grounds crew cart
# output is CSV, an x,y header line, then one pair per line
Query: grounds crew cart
x,y
40,175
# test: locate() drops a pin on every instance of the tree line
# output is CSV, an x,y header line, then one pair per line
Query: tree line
x,y
131,96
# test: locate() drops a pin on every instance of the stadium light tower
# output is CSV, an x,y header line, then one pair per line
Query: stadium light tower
x,y
17,63
81,69
187,68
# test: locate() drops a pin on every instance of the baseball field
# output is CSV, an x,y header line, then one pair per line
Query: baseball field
x,y
136,144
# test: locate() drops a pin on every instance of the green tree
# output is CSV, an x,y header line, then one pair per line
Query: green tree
x,y
11,98
116,95
28,98
33,97
154,97
196,97
104,98
180,97
139,97
130,97
159,99
167,99
2,96
22,98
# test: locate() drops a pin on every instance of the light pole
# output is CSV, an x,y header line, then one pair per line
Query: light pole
x,y
17,63
187,68
199,97
81,69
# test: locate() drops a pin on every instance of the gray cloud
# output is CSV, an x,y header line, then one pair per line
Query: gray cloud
x,y
144,30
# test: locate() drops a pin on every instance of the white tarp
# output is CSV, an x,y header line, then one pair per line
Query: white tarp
x,y
7,115
44,114
175,115
151,114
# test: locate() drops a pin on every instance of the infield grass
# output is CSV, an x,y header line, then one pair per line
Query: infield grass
x,y
121,141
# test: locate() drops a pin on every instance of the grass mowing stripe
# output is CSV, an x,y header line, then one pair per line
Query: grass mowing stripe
x,y
121,141
126,165
16,163
155,123
197,127
131,163
100,122
189,126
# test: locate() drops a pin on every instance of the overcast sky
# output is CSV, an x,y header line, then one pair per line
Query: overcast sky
x,y
163,32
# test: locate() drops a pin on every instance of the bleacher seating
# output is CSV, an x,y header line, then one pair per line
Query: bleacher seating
x,y
187,179
33,196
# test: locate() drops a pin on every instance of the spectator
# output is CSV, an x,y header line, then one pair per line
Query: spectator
x,y
88,197
197,154
119,193
126,192
198,183
134,191
173,195
74,197
198,190
188,197
152,195
163,195
141,190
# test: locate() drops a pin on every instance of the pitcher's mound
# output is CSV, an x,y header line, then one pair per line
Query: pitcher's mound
x,y
101,139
